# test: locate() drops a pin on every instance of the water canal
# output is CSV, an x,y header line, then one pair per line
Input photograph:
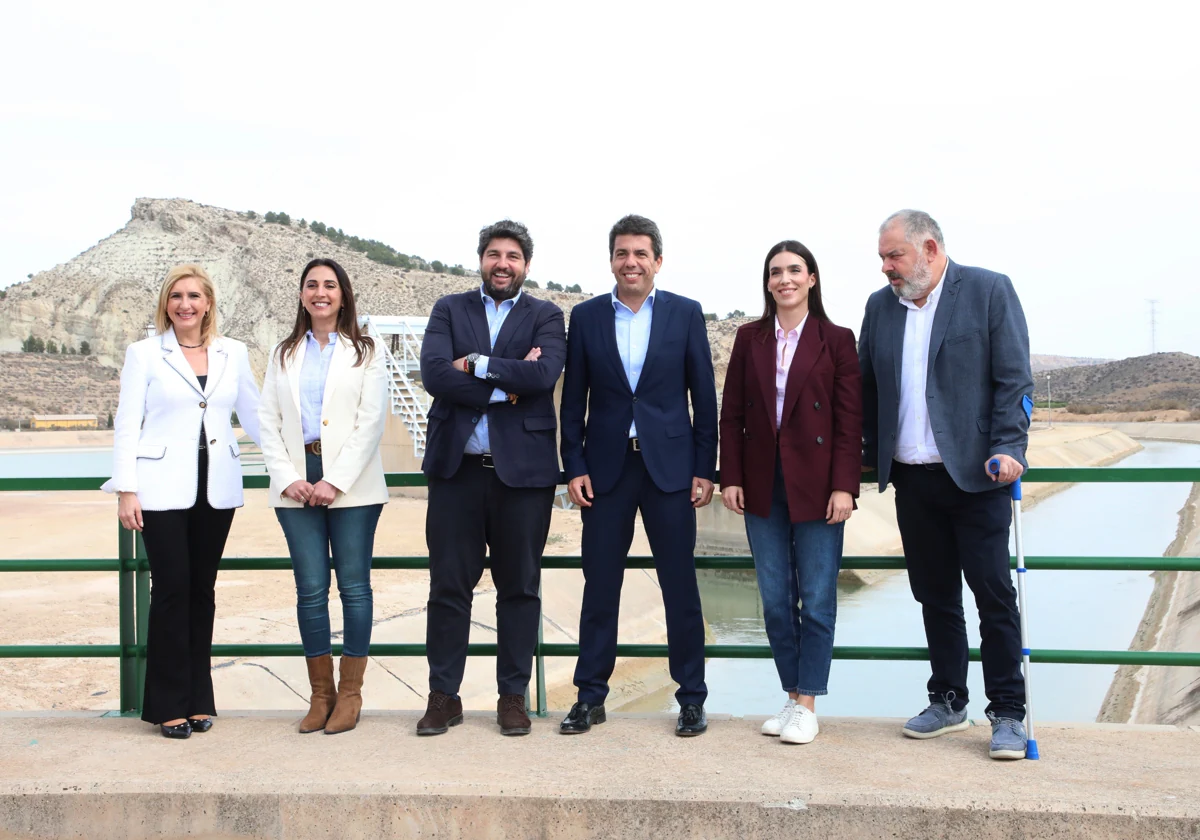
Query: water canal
x,y
1086,610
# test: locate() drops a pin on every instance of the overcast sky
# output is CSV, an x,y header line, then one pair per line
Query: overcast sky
x,y
1055,142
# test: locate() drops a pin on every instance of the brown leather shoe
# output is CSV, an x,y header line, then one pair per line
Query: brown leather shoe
x,y
320,706
348,708
442,712
510,714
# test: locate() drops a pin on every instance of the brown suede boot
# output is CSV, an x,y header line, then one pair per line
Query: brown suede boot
x,y
320,706
349,696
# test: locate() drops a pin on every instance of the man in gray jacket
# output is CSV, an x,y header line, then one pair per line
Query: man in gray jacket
x,y
944,352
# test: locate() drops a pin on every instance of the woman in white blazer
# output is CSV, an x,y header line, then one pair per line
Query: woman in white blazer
x,y
178,477
322,417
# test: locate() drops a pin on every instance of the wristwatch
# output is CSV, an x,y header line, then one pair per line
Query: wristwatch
x,y
472,359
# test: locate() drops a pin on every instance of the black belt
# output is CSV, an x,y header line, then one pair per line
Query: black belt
x,y
482,460
635,445
932,467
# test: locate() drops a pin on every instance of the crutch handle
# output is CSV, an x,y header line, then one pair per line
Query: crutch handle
x,y
1015,487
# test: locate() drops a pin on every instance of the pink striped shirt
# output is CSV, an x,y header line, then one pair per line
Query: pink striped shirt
x,y
785,351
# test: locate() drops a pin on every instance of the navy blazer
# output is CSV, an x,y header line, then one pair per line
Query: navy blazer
x,y
978,372
522,435
675,446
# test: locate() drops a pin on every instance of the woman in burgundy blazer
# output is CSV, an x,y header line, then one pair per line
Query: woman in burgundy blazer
x,y
791,446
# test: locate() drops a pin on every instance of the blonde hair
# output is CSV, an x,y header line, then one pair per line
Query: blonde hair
x,y
208,324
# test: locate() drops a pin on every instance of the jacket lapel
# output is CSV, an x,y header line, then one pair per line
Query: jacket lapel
x,y
897,317
519,313
608,330
808,350
477,316
295,365
945,310
173,356
218,361
660,317
762,355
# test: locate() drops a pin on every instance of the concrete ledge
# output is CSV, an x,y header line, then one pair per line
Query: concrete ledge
x,y
252,776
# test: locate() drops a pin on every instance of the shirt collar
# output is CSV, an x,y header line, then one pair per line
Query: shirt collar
x,y
649,299
486,297
333,336
797,329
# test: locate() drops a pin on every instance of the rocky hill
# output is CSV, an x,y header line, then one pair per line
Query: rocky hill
x,y
1161,380
1043,363
107,294
37,383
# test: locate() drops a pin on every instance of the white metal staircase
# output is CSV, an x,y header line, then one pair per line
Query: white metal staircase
x,y
400,339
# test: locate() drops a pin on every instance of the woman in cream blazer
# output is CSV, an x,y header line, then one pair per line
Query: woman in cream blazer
x,y
322,415
178,475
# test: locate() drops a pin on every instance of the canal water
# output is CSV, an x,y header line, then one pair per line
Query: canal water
x,y
1096,610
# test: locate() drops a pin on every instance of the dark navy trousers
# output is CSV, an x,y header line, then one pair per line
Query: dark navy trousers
x,y
670,523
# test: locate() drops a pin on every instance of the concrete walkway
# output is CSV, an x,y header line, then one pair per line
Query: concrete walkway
x,y
252,776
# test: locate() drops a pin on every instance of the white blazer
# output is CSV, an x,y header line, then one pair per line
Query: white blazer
x,y
160,416
352,419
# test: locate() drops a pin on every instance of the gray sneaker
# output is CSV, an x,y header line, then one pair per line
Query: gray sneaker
x,y
1008,737
937,719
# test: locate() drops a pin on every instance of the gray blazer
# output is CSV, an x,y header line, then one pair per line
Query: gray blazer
x,y
978,373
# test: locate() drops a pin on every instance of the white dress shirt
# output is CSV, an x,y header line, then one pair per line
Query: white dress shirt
x,y
633,339
914,434
785,351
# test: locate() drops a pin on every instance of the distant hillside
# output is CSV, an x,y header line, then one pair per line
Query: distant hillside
x,y
1043,363
1161,380
107,294
39,383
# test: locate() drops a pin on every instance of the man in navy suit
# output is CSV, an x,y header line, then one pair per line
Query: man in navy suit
x,y
491,358
633,359
944,352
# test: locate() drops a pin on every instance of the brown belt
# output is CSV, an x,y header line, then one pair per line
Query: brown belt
x,y
313,448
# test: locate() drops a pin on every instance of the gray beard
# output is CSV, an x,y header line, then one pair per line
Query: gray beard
x,y
501,295
915,286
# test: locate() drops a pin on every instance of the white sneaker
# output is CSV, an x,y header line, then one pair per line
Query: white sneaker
x,y
801,727
775,725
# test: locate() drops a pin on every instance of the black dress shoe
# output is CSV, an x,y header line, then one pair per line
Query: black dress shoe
x,y
178,730
692,720
581,717
200,724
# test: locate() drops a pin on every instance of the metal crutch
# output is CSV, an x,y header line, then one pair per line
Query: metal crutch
x,y
1031,748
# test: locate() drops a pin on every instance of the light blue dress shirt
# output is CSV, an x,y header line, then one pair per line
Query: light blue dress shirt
x,y
479,442
313,374
633,339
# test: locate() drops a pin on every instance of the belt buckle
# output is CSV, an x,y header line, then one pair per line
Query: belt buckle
x,y
486,460
637,444
316,447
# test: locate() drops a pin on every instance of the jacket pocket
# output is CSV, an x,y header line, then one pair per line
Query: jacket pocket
x,y
441,409
967,336
151,451
233,450
540,424
677,431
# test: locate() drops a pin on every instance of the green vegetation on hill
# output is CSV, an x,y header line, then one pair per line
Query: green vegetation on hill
x,y
372,249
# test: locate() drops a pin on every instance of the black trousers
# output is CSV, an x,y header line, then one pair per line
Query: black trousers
x,y
949,534
468,515
184,548
670,523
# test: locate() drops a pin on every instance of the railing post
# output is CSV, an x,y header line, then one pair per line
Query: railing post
x,y
540,661
127,628
142,578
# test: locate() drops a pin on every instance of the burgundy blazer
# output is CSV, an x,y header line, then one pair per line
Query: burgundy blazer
x,y
820,437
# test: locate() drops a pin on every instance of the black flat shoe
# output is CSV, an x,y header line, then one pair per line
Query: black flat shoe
x,y
581,717
200,724
692,720
179,730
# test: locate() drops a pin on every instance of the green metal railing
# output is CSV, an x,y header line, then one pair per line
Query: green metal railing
x,y
133,569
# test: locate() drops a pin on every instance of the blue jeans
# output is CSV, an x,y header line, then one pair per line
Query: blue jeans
x,y
313,533
797,562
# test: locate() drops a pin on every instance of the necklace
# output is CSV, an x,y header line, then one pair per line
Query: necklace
x,y
191,346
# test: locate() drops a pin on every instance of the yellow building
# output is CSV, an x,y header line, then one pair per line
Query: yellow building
x,y
65,421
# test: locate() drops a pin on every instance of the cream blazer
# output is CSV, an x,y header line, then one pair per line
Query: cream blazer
x,y
352,419
156,431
